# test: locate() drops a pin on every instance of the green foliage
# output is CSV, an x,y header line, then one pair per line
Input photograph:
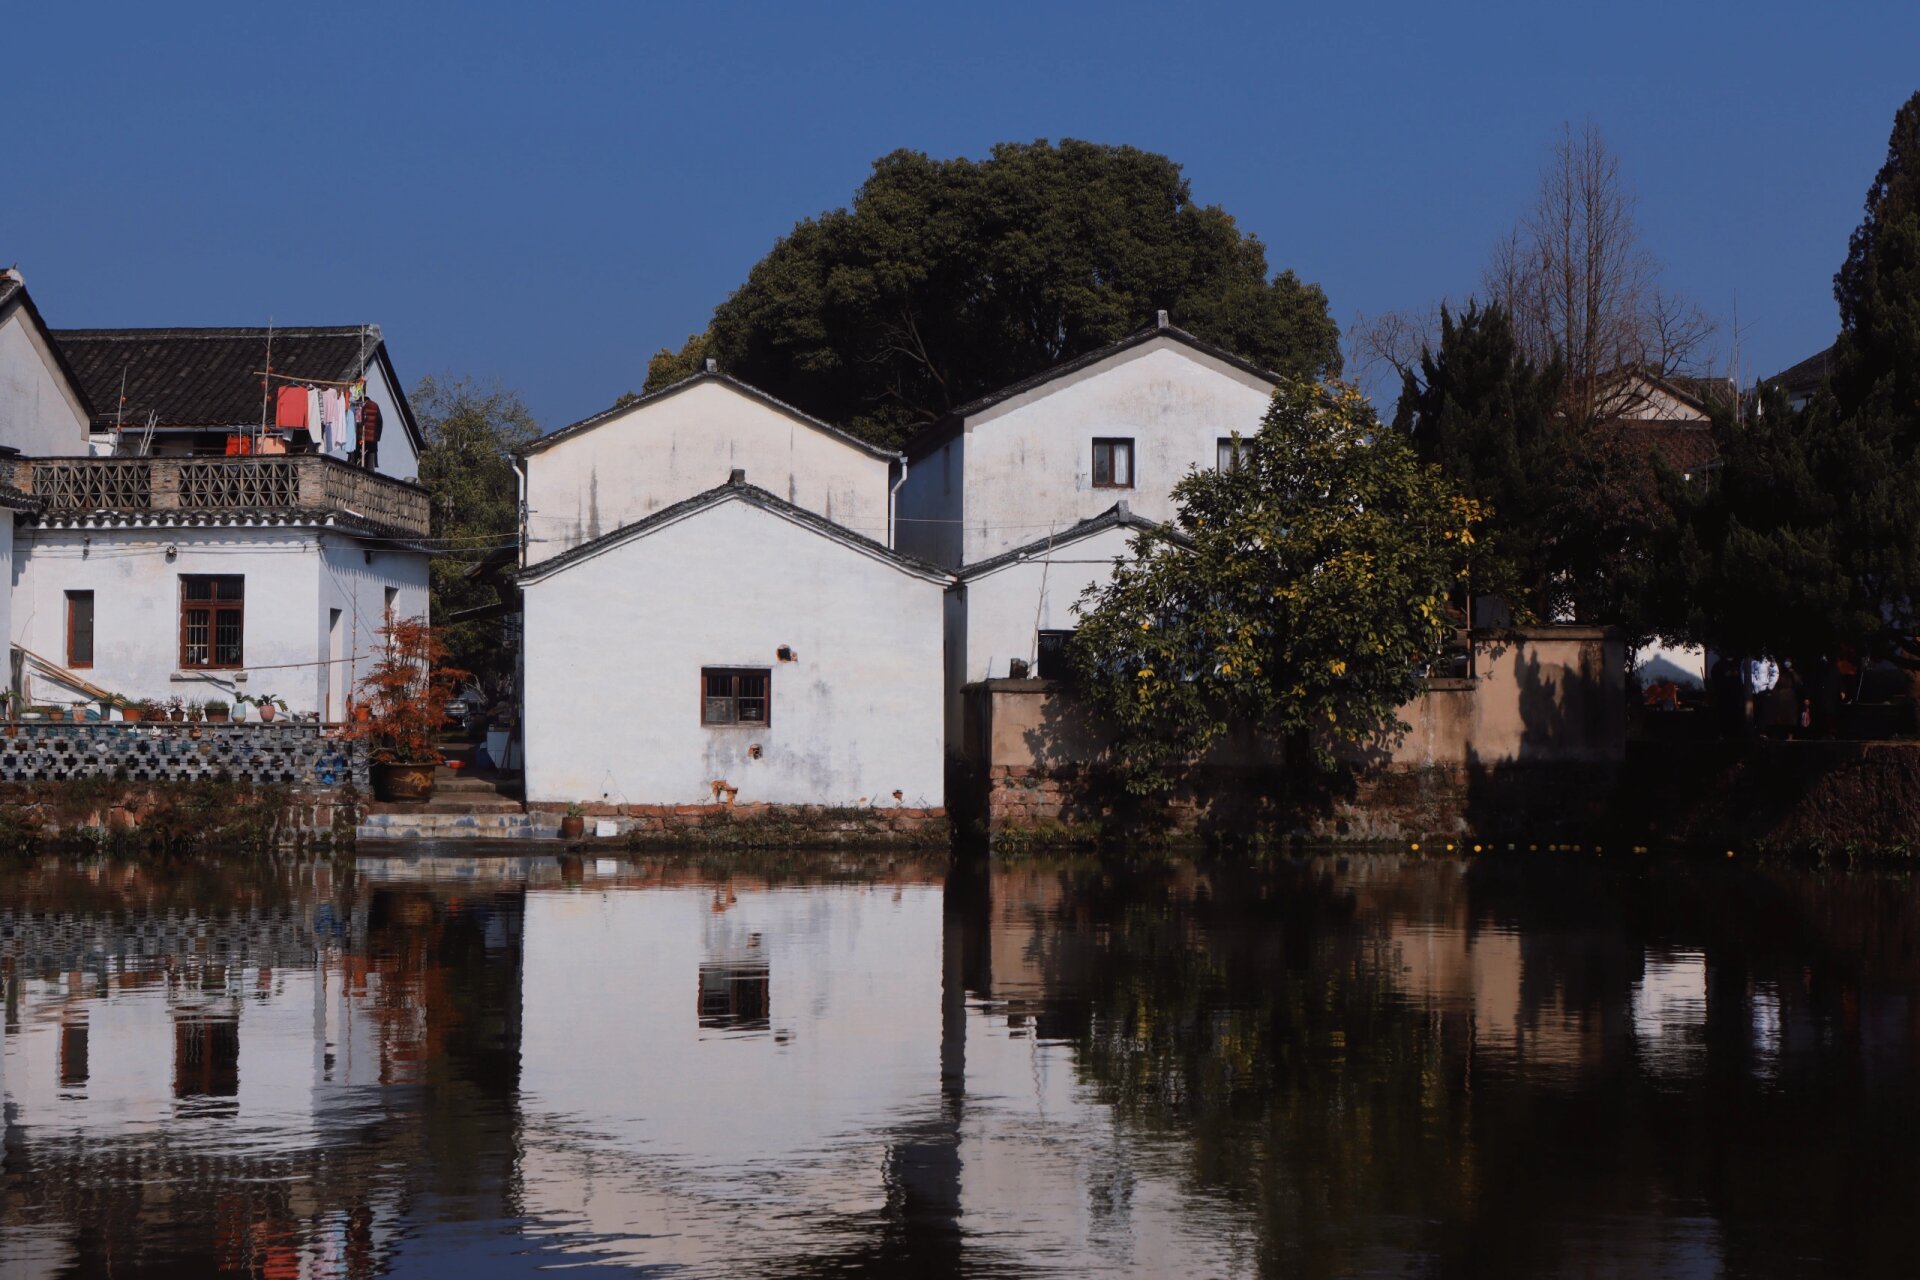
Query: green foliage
x,y
1811,538
1485,414
949,279
471,432
1305,595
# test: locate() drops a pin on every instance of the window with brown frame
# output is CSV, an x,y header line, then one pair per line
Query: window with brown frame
x,y
212,622
736,695
1231,454
79,629
1113,464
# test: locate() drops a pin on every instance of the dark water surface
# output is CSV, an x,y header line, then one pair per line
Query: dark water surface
x,y
1554,1066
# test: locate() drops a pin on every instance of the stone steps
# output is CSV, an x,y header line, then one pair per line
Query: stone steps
x,y
433,823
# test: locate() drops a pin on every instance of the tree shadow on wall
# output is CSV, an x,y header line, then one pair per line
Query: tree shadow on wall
x,y
1249,786
1561,777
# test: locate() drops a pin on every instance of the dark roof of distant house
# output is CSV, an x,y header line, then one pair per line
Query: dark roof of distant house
x,y
1804,379
710,375
210,378
732,491
1687,447
13,293
937,433
1117,516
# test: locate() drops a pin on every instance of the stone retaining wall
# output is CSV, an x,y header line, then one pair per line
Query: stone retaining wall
x,y
759,824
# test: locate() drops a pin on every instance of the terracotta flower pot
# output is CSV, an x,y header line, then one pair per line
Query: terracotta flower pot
x,y
267,713
403,781
178,717
572,828
217,717
132,715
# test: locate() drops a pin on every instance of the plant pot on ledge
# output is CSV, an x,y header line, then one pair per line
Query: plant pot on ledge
x,y
573,827
403,782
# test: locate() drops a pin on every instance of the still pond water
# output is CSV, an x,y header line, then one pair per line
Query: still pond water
x,y
1345,1065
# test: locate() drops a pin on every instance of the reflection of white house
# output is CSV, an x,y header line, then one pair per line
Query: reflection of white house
x,y
148,563
619,466
763,654
1032,493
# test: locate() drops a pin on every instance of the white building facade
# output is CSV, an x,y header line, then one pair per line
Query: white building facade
x,y
733,648
154,566
620,466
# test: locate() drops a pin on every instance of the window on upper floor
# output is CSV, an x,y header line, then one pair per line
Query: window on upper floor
x,y
1113,463
735,695
1231,453
212,620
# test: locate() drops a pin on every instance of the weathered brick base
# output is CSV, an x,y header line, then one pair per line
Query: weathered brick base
x,y
203,815
1396,803
762,825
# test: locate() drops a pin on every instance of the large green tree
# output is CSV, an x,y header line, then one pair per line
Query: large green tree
x,y
949,279
1482,411
1810,539
471,432
1305,593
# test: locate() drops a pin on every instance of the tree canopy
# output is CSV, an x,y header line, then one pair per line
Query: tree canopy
x,y
1302,600
949,279
471,432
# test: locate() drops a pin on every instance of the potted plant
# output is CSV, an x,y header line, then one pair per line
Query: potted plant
x,y
176,710
133,711
574,824
268,705
195,711
215,710
401,705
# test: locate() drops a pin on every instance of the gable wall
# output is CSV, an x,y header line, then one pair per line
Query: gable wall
x,y
628,467
614,646
928,523
1029,461
37,415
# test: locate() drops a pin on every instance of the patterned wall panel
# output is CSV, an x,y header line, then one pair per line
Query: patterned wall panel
x,y
260,753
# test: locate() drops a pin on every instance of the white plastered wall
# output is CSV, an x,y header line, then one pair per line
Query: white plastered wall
x,y
355,579
39,415
136,593
614,646
1029,460
670,449
1003,610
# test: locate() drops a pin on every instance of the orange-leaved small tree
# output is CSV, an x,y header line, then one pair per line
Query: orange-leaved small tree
x,y
400,705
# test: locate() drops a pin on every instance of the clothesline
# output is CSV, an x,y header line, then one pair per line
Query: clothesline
x,y
315,382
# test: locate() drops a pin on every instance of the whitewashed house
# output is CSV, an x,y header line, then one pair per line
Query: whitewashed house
x,y
732,647
169,569
1032,493
621,465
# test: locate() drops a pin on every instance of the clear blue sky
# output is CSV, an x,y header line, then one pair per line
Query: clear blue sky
x,y
546,194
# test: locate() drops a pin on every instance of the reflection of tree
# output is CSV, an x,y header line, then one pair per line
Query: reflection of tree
x,y
1257,1018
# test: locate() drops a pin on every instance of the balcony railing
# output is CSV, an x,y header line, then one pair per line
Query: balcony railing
x,y
71,486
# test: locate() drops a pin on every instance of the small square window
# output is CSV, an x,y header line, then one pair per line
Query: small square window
x,y
1231,455
736,695
1053,654
1113,464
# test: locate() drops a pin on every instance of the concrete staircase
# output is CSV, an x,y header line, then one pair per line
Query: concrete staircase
x,y
465,806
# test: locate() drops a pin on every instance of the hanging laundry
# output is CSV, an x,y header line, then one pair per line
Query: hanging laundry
x,y
315,431
357,393
290,408
333,416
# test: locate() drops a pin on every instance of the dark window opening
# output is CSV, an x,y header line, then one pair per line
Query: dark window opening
x,y
1113,464
1231,455
735,997
211,620
736,695
1053,654
79,628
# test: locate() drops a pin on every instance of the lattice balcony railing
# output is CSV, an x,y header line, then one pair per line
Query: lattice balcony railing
x,y
86,485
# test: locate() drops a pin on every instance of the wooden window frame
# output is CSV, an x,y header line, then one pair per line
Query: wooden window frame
x,y
732,675
93,636
1111,442
215,607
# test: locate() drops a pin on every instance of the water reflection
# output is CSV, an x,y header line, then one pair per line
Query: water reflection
x,y
1322,1067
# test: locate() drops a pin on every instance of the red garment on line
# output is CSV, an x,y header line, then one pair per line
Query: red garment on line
x,y
291,408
